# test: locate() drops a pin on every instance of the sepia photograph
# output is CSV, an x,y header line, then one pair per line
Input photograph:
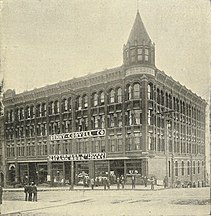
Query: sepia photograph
x,y
105,107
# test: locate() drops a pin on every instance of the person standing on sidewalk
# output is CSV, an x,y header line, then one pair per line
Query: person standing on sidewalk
x,y
92,183
133,182
30,189
34,192
122,181
26,188
145,181
1,194
108,183
104,183
118,183
152,180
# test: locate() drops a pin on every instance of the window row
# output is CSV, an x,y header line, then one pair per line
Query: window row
x,y
184,168
167,100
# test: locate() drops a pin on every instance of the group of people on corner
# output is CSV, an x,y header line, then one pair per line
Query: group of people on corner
x,y
30,191
120,181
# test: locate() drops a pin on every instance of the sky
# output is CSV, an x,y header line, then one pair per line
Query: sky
x,y
47,41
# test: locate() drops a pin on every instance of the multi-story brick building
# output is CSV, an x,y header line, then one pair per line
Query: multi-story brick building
x,y
154,125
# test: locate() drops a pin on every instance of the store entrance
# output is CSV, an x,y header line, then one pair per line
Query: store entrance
x,y
116,169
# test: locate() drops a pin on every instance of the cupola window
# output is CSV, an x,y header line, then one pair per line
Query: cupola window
x,y
146,54
140,54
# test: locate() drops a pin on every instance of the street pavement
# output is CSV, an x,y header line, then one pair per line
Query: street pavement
x,y
98,202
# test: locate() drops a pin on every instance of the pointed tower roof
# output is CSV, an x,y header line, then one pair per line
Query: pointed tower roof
x,y
138,32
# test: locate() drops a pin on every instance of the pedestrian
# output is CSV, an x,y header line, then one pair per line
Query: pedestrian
x,y
34,192
165,182
145,181
152,180
30,189
104,183
133,182
118,182
122,181
108,183
26,188
92,183
1,194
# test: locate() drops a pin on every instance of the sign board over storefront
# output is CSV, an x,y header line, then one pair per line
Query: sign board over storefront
x,y
78,135
77,157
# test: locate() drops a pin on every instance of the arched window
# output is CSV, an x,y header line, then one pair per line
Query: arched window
x,y
79,101
69,104
32,111
150,91
51,107
119,95
102,98
136,91
43,109
158,96
85,101
112,96
65,104
95,99
56,107
28,112
162,98
129,92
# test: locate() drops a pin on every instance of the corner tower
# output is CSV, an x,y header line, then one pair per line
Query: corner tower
x,y
139,49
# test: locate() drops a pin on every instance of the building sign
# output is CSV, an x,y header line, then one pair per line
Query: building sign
x,y
77,157
140,70
78,135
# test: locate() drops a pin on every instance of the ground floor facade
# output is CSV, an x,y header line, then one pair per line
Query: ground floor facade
x,y
179,171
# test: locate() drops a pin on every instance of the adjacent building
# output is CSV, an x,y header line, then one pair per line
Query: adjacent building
x,y
153,125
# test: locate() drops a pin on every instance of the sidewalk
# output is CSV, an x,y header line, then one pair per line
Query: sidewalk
x,y
76,187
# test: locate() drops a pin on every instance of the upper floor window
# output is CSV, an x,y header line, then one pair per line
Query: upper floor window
x,y
176,168
112,96
150,91
21,113
129,92
146,54
136,91
133,55
95,99
79,103
119,95
140,54
44,109
102,98
65,104
183,168
51,108
85,101
56,107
